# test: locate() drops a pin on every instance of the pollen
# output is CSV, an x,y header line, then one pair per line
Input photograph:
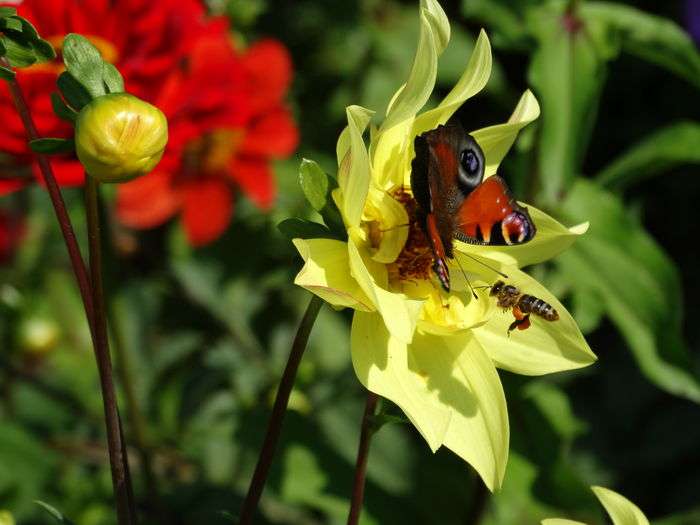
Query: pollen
x,y
416,258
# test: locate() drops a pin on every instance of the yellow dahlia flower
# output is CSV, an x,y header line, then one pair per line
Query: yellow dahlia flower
x,y
621,510
432,353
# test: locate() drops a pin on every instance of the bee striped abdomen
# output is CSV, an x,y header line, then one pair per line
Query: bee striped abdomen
x,y
523,305
529,304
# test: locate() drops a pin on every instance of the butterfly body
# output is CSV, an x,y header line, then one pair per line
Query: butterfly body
x,y
454,200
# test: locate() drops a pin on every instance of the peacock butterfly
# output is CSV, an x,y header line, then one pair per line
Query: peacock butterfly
x,y
454,200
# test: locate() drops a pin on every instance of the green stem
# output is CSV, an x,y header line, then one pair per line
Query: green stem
x,y
119,462
274,426
358,487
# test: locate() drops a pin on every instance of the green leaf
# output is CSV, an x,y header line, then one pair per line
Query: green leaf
x,y
44,50
657,153
61,109
294,228
54,513
653,38
113,78
17,54
637,283
7,11
12,23
6,73
51,146
314,183
84,63
567,71
73,91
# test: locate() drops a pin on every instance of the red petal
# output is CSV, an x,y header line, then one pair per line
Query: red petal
x,y
208,206
8,186
68,171
147,202
255,178
272,135
269,69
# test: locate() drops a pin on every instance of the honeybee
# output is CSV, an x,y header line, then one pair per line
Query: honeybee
x,y
509,296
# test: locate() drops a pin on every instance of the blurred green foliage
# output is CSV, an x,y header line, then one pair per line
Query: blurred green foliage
x,y
200,337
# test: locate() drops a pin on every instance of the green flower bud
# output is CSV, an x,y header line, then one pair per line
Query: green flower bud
x,y
6,518
119,137
38,335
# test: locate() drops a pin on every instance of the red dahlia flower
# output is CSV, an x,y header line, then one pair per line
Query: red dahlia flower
x,y
227,119
143,38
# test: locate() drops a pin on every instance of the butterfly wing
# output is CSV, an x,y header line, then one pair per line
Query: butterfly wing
x,y
490,215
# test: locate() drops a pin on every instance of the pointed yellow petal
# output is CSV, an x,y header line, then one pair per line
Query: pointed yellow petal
x,y
473,80
551,239
621,510
434,32
381,364
326,273
353,172
399,312
463,379
545,347
497,140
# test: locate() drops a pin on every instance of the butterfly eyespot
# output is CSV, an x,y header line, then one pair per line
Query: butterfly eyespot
x,y
471,165
470,162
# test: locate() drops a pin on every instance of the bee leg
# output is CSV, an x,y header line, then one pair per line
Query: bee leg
x,y
522,321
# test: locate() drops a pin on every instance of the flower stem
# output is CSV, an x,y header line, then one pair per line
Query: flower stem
x,y
121,478
274,425
358,488
59,205
122,483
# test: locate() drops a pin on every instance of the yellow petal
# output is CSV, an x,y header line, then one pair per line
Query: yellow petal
x,y
461,377
497,140
434,33
353,172
326,273
381,364
551,239
399,312
545,347
390,216
473,80
621,510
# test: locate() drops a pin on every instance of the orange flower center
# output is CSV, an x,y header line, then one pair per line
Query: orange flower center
x,y
416,258
211,153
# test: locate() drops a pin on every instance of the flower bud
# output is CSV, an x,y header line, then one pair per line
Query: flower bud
x,y
6,518
38,335
119,137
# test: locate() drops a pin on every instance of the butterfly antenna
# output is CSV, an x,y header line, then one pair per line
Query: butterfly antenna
x,y
467,278
484,264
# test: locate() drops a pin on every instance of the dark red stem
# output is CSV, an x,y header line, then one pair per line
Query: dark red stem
x,y
121,478
117,451
358,487
274,426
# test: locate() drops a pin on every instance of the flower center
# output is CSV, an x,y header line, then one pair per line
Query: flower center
x,y
211,153
416,257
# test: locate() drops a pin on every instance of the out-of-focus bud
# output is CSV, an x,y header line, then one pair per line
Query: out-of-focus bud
x,y
6,518
119,137
38,335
